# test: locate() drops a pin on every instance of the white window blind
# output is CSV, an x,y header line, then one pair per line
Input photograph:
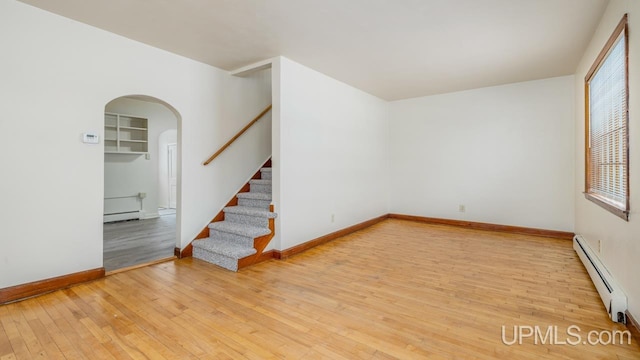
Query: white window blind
x,y
608,163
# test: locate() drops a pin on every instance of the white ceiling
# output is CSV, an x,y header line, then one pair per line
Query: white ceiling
x,y
393,49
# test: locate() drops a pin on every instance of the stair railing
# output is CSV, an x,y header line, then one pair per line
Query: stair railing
x,y
225,146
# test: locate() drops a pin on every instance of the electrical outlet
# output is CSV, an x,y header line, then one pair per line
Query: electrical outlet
x,y
333,217
461,208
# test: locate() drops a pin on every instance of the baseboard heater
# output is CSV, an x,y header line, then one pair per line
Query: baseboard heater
x,y
119,208
614,300
121,216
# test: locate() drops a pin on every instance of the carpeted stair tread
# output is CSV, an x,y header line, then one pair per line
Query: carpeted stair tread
x,y
249,210
266,169
240,229
224,247
259,182
254,196
266,174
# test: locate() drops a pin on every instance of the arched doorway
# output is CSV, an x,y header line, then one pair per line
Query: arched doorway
x,y
140,221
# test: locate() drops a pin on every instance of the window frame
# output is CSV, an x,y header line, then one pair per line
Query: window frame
x,y
604,202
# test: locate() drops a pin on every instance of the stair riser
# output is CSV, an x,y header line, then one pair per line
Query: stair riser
x,y
247,219
221,235
262,204
259,188
218,259
265,175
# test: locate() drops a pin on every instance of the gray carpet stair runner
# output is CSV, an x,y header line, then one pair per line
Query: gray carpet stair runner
x,y
232,239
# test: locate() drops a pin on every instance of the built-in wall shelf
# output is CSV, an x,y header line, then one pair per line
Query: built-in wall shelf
x,y
125,134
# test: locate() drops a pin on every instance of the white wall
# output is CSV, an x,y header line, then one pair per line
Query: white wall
x,y
126,175
504,152
57,76
331,155
619,240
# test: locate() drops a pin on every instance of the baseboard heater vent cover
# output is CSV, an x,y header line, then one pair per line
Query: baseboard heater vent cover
x,y
614,300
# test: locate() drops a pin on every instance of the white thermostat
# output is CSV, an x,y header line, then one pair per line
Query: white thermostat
x,y
90,138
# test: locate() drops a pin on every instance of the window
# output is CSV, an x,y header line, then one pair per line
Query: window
x,y
607,135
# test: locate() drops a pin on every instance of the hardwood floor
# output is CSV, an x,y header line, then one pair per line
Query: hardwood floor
x,y
130,243
398,289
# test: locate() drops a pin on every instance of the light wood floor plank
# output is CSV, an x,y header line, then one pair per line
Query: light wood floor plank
x,y
5,342
398,289
10,321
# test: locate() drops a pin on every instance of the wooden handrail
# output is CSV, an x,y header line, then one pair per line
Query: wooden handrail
x,y
225,146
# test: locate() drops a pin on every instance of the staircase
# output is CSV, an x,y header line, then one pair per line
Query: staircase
x,y
245,230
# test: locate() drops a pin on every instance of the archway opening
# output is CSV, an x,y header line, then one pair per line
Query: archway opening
x,y
141,181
